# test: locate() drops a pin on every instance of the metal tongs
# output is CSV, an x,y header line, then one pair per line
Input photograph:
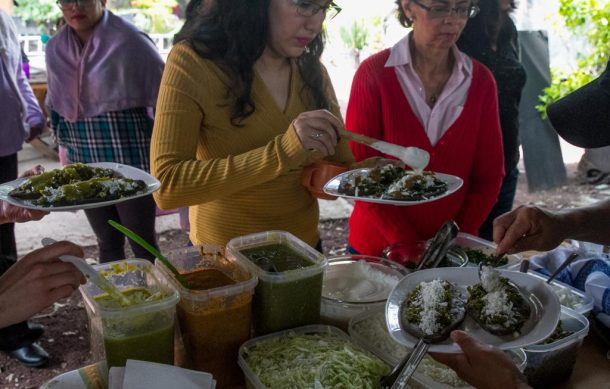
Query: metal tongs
x,y
439,245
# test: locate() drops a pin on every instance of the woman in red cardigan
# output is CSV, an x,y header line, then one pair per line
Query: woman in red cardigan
x,y
424,92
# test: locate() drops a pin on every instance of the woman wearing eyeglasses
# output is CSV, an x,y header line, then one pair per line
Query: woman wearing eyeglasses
x,y
103,78
244,106
424,92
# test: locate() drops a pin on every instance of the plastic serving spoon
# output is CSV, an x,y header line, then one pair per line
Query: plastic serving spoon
x,y
412,156
92,274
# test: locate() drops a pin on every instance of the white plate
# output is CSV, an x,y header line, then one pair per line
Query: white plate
x,y
545,309
152,184
332,188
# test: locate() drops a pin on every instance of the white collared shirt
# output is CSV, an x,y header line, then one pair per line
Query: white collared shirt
x,y
448,107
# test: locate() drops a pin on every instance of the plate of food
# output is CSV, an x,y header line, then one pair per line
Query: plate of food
x,y
498,307
394,185
79,186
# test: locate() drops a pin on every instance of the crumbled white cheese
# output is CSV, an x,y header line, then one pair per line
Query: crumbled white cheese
x,y
490,279
430,299
497,304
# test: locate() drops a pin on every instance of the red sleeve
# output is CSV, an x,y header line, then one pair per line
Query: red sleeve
x,y
488,167
363,114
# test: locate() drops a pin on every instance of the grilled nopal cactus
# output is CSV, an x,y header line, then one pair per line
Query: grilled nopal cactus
x,y
496,304
433,309
93,190
76,184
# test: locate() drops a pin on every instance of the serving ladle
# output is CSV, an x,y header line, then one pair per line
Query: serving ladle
x,y
401,374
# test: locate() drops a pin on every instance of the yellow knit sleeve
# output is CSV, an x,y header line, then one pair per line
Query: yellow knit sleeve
x,y
188,177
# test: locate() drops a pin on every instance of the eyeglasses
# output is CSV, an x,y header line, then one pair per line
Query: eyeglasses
x,y
443,11
310,8
71,4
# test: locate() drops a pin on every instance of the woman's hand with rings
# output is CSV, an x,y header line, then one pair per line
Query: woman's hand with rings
x,y
317,130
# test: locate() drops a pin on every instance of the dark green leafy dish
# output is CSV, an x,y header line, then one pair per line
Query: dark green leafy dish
x,y
432,309
76,184
392,183
477,256
558,334
497,305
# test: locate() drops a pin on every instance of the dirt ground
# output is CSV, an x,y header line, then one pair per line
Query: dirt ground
x,y
66,335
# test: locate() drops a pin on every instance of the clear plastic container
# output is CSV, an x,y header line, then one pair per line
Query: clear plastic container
x,y
289,275
550,364
467,241
144,330
369,331
252,379
214,315
354,284
569,297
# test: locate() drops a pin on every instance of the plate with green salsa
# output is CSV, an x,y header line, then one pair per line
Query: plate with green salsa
x,y
79,186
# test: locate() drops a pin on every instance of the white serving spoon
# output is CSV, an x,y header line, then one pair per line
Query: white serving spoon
x,y
92,274
415,157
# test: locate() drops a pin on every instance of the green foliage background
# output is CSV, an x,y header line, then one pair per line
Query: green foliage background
x,y
43,13
590,19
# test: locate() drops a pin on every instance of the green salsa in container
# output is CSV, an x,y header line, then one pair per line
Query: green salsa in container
x,y
142,330
290,274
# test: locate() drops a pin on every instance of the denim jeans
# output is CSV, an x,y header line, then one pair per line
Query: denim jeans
x,y
503,205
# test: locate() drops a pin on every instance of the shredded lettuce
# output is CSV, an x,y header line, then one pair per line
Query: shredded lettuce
x,y
295,361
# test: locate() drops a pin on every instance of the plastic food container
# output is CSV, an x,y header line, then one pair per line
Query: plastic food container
x,y
289,279
354,284
569,297
253,380
550,364
467,241
144,330
369,330
214,315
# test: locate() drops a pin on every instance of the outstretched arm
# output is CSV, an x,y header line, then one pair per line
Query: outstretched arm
x,y
36,281
534,228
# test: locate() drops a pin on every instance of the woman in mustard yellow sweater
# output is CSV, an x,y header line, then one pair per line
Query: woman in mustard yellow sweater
x,y
244,106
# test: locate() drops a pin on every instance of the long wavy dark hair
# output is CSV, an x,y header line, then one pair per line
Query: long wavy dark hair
x,y
234,34
486,29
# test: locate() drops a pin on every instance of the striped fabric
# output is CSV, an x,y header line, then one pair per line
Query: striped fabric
x,y
121,136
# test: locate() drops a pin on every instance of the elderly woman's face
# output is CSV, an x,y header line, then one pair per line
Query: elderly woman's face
x,y
82,15
293,24
437,23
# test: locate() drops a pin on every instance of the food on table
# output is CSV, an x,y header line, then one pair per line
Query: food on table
x,y
76,184
496,304
276,258
392,183
289,284
567,298
374,332
294,360
147,337
432,309
558,334
478,256
214,326
353,285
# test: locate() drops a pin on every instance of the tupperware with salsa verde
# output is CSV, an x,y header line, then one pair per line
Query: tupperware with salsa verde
x,y
290,279
142,330
214,312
